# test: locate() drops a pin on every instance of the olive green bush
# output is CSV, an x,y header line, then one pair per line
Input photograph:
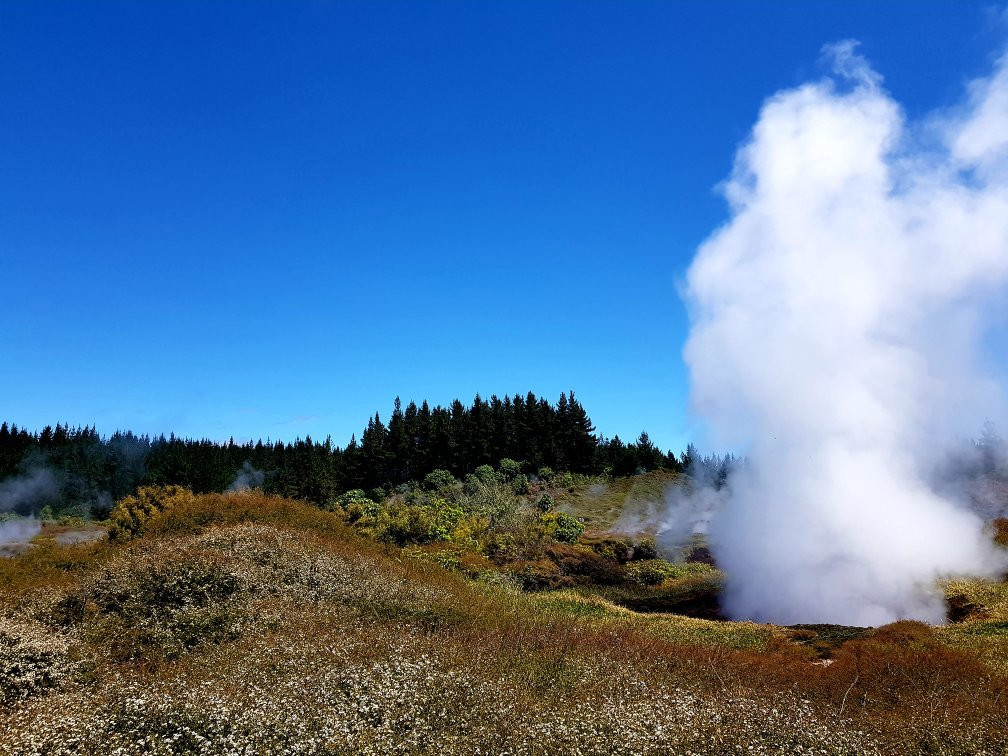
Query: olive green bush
x,y
131,513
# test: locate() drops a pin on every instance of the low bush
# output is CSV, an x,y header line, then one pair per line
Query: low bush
x,y
520,484
426,521
252,506
509,469
563,527
355,497
131,513
152,611
1001,531
486,475
659,571
438,480
646,548
32,660
585,565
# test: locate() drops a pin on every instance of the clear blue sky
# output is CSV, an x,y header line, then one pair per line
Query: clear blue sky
x,y
269,219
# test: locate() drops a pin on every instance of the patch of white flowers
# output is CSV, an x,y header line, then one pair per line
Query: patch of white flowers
x,y
33,659
318,666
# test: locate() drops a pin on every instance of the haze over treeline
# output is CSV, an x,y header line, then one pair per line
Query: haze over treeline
x,y
88,471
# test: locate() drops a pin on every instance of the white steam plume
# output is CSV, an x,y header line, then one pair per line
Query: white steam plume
x,y
837,320
28,492
246,478
15,533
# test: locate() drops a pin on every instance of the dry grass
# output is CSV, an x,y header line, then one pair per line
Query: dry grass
x,y
607,504
258,625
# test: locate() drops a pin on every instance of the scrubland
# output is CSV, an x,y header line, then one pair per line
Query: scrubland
x,y
244,623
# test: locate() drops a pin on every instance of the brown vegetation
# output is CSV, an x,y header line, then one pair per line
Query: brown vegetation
x,y
244,621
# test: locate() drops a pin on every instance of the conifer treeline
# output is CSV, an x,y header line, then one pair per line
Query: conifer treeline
x,y
92,471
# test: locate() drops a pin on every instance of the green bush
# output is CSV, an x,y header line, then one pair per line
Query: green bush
x,y
438,480
131,513
471,485
658,571
486,475
361,509
154,612
354,496
565,480
435,520
545,473
562,527
509,469
646,548
520,484
545,504
651,572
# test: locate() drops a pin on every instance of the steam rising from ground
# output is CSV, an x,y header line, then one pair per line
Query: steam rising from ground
x,y
28,492
246,478
24,494
837,320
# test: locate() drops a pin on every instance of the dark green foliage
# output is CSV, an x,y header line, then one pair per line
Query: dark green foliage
x,y
486,475
563,527
545,504
438,480
646,548
509,469
520,484
519,433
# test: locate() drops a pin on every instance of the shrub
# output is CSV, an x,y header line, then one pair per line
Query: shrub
x,y
354,498
204,510
562,527
655,571
586,566
520,484
32,662
377,494
360,508
471,485
646,548
617,549
435,520
486,475
565,480
154,610
545,504
1001,531
438,480
497,503
132,513
509,469
545,473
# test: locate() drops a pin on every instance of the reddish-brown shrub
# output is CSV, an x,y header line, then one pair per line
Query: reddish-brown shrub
x,y
1001,531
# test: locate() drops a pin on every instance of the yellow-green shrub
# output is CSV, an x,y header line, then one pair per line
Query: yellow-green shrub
x,y
131,513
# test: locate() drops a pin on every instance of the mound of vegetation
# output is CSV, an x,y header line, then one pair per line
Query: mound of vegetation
x,y
252,623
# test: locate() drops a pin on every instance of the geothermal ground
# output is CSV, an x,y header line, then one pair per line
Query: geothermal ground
x,y
243,623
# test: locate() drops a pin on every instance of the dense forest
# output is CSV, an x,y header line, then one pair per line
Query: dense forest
x,y
77,469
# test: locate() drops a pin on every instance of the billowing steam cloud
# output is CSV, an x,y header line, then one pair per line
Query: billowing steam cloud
x,y
837,325
247,477
25,494
28,492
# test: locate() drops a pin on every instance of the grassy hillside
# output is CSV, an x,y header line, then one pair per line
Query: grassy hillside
x,y
252,624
